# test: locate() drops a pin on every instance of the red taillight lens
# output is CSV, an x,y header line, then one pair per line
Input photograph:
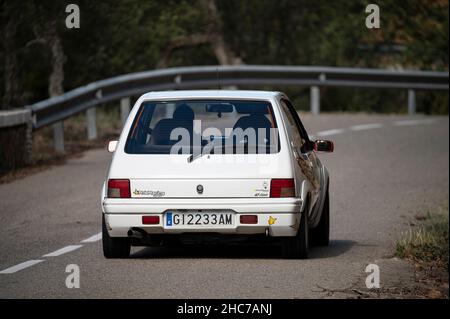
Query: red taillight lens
x,y
282,188
248,219
150,220
118,188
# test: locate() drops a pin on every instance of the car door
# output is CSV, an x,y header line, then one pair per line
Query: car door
x,y
305,156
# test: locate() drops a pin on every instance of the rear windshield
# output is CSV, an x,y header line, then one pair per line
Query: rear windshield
x,y
213,126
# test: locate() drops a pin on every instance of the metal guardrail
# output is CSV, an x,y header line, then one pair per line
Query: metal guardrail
x,y
56,109
86,98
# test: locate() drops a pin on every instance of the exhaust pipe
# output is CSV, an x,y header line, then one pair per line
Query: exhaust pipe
x,y
136,233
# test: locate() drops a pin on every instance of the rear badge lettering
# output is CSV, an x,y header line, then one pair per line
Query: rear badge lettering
x,y
261,193
138,192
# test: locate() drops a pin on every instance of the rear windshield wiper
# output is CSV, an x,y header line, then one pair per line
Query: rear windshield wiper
x,y
205,150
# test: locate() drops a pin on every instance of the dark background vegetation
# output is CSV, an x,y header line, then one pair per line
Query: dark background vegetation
x,y
40,57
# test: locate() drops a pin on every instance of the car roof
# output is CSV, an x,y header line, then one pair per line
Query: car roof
x,y
190,94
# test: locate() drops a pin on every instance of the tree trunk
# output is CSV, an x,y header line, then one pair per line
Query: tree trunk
x,y
223,53
11,97
213,36
56,79
190,40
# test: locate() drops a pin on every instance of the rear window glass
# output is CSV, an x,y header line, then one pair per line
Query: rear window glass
x,y
212,126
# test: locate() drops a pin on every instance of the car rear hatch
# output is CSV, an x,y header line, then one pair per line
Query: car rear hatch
x,y
202,178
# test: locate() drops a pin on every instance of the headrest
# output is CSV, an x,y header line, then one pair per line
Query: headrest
x,y
183,112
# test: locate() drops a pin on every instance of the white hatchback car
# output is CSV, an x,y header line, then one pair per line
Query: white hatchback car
x,y
215,165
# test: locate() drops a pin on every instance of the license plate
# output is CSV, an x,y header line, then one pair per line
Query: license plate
x,y
198,219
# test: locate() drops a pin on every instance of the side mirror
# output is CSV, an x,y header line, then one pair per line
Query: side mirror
x,y
323,146
112,146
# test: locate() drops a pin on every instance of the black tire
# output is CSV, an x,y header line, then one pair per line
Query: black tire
x,y
320,235
114,247
297,247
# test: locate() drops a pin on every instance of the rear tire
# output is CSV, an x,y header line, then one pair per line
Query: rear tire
x,y
297,247
114,247
320,235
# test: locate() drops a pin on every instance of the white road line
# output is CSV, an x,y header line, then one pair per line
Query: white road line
x,y
63,250
93,238
365,126
413,122
20,266
330,132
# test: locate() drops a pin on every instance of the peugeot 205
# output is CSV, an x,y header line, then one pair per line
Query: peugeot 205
x,y
213,165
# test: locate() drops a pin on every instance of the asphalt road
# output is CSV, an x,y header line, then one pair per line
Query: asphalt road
x,y
385,169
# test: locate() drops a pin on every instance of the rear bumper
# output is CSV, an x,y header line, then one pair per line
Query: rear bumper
x,y
123,214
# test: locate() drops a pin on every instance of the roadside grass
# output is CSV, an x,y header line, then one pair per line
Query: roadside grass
x,y
75,141
428,242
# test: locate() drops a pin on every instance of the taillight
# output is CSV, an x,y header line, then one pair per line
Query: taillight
x,y
248,219
282,187
150,220
118,188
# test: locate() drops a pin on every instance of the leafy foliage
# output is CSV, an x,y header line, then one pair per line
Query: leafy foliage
x,y
123,36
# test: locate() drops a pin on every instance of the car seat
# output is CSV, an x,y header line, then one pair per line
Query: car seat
x,y
182,118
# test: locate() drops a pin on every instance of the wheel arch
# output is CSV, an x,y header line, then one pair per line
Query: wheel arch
x,y
315,221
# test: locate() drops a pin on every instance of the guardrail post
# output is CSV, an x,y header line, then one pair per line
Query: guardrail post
x,y
411,102
91,124
315,100
124,109
29,142
58,137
